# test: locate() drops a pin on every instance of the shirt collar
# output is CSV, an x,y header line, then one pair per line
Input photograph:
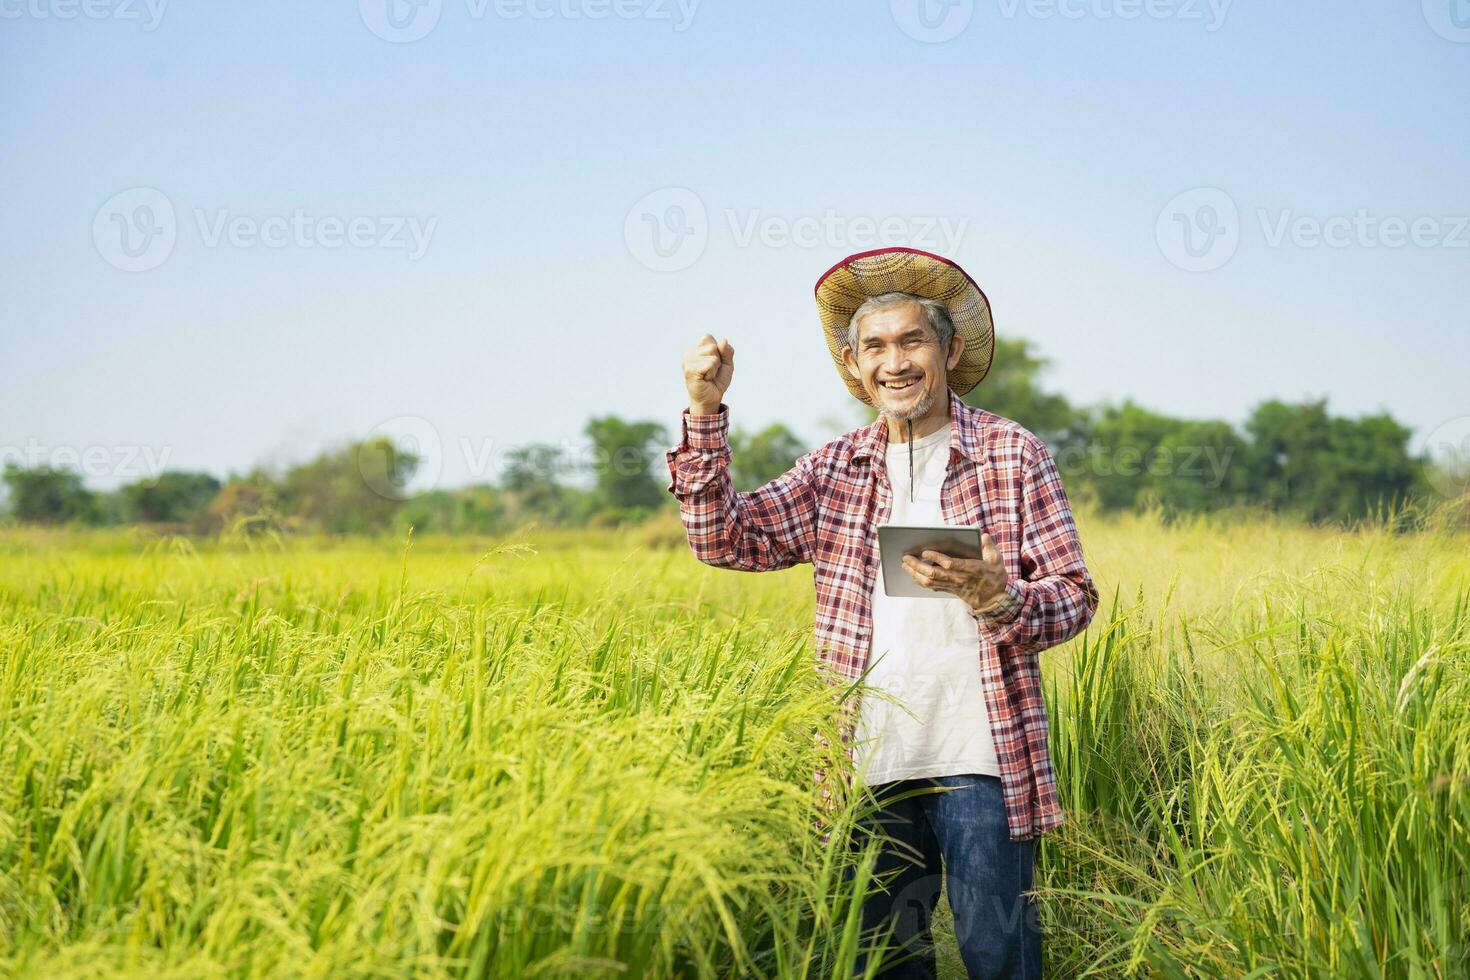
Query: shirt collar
x,y
964,433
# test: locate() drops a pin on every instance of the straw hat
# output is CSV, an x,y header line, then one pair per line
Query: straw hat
x,y
845,286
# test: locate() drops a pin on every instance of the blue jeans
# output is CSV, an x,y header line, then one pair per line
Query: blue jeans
x,y
960,832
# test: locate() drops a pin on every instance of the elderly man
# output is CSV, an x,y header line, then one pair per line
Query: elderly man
x,y
961,715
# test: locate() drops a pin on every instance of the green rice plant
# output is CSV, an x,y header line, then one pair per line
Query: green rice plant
x,y
566,754
255,761
1278,789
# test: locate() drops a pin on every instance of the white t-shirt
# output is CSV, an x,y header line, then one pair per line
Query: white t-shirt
x,y
932,661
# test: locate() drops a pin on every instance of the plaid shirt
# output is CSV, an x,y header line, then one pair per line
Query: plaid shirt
x,y
824,511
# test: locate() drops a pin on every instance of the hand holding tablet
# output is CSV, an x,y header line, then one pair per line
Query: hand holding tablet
x,y
940,561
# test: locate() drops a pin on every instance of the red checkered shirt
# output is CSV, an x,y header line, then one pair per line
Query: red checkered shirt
x,y
824,511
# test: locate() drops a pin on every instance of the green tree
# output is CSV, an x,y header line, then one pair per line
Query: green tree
x,y
249,503
172,497
756,460
1304,461
623,463
469,510
533,475
1110,469
354,489
1012,389
1199,466
1128,456
1287,442
46,495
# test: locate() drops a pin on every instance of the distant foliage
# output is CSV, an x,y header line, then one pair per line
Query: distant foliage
x,y
1304,461
1296,460
247,505
756,460
357,488
43,495
174,497
622,464
471,510
1012,389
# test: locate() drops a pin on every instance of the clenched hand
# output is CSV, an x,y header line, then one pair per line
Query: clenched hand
x,y
708,367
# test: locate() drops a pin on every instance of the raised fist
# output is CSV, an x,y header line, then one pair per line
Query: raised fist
x,y
708,367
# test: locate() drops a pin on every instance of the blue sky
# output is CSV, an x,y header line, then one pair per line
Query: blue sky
x,y
238,233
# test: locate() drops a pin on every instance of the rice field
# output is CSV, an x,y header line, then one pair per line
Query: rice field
x,y
563,754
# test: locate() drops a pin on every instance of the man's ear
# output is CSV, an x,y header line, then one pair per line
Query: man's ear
x,y
851,363
956,351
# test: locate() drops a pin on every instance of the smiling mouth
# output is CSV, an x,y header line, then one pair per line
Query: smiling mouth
x,y
903,384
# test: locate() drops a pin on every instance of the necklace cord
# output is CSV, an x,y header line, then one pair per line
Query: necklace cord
x,y
910,423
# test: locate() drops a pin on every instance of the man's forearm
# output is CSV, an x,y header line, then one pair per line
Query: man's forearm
x,y
1033,615
762,530
1054,598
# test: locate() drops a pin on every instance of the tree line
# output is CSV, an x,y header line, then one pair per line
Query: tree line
x,y
1290,458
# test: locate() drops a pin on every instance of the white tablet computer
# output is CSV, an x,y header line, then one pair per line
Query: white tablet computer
x,y
897,540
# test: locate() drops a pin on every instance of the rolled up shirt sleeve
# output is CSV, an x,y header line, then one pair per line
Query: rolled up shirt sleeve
x,y
766,529
1054,597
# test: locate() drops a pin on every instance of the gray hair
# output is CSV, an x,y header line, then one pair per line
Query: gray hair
x,y
934,311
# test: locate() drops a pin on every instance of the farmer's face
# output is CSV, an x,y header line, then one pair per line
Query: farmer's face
x,y
899,362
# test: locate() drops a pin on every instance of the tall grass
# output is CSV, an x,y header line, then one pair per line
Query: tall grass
x,y
336,762
1278,785
561,756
